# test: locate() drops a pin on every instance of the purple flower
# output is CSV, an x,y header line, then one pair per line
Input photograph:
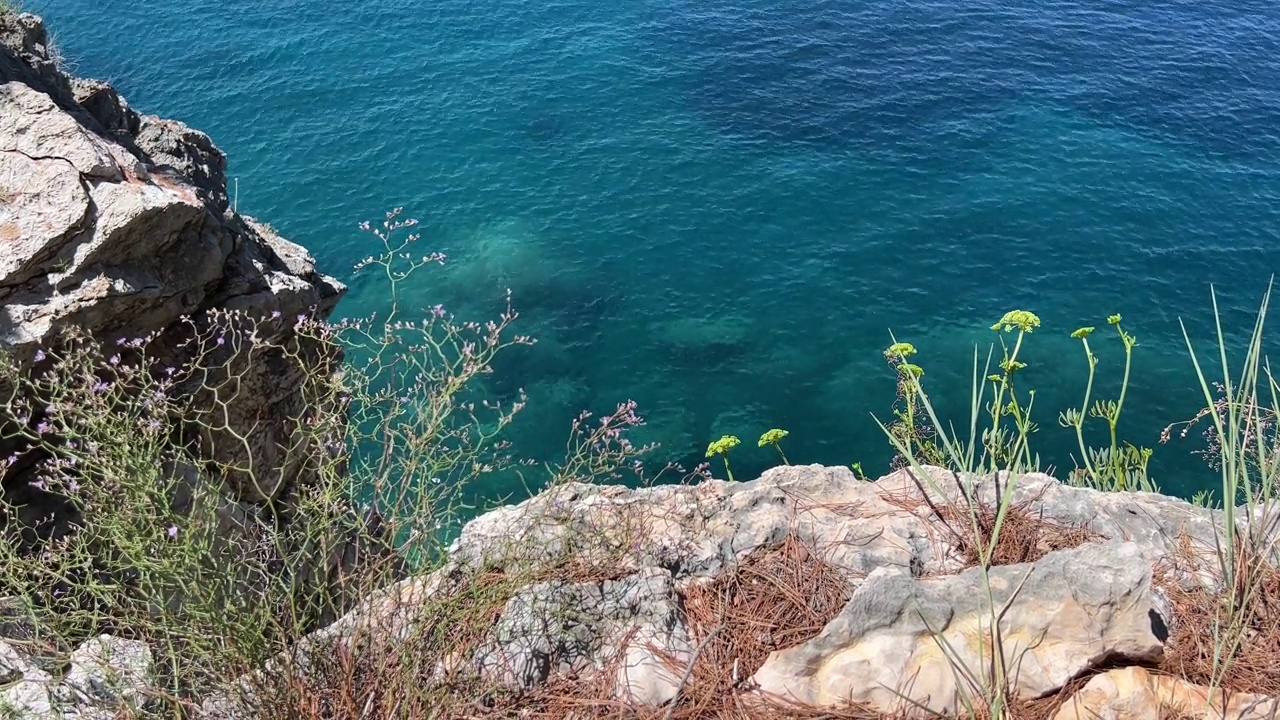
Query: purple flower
x,y
437,311
39,357
43,428
173,532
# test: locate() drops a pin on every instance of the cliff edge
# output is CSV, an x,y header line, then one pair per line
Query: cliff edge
x,y
117,221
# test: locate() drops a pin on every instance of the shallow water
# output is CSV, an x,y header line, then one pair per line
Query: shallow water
x,y
722,208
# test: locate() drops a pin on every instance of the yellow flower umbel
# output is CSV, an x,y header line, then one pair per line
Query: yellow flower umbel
x,y
721,447
1021,320
773,437
1007,446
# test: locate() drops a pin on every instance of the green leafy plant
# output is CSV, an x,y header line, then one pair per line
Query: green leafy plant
x,y
1249,466
1116,466
721,448
910,424
998,450
362,481
774,437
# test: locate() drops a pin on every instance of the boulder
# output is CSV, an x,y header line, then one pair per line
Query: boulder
x,y
1135,693
894,645
109,673
24,688
106,677
117,223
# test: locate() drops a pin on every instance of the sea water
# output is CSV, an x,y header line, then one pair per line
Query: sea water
x,y
725,209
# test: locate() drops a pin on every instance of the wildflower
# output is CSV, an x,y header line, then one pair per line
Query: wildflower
x,y
773,437
721,447
43,428
1023,320
1012,366
437,311
1082,333
39,356
900,350
1113,319
172,532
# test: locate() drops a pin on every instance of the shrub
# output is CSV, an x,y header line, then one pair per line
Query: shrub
x,y
140,448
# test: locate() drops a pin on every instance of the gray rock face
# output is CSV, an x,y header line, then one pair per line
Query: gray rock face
x,y
1074,608
698,531
108,672
118,223
557,628
900,636
108,677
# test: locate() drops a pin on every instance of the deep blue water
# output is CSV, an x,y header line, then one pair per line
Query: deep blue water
x,y
720,208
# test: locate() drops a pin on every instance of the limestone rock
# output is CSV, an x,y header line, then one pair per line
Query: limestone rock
x,y
1135,693
118,223
190,152
36,127
899,635
1072,610
556,628
698,531
108,677
24,688
107,107
108,672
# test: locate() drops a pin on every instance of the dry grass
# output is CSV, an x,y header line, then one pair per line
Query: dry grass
x,y
1024,535
775,599
1201,627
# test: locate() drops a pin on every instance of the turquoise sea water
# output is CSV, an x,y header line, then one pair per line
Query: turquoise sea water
x,y
720,208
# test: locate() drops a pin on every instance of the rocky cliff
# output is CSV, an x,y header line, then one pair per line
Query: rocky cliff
x,y
808,593
806,590
118,223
